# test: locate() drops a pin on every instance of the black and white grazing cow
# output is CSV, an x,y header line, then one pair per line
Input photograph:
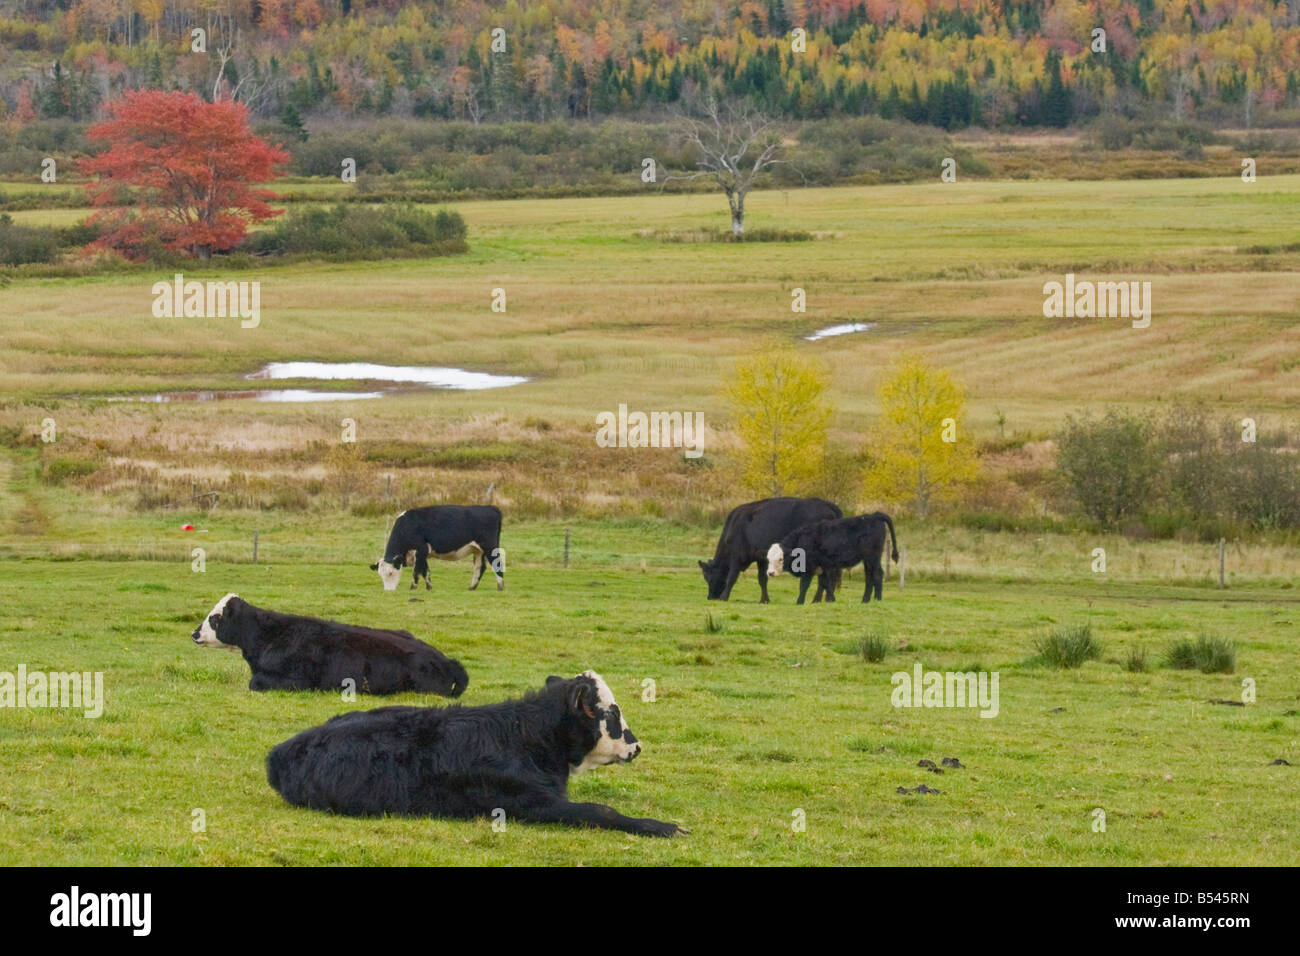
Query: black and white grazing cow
x,y
466,762
750,530
835,545
291,652
447,532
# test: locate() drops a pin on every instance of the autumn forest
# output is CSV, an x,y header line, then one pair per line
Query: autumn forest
x,y
947,63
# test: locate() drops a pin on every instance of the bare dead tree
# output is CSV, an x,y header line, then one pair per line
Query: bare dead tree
x,y
224,52
733,145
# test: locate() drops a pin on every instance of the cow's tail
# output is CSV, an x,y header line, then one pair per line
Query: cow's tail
x,y
893,555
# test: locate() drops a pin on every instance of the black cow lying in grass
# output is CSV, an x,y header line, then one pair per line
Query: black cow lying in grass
x,y
466,762
834,545
290,652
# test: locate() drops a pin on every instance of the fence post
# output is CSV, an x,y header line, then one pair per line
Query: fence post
x,y
566,547
1222,543
255,547
902,567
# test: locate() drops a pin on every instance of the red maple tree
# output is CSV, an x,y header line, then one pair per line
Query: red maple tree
x,y
187,167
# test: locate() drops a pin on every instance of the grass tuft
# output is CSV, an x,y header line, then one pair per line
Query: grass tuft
x,y
1209,654
874,647
1068,646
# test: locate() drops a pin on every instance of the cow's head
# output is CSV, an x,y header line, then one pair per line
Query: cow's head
x,y
390,574
775,560
216,626
715,576
597,734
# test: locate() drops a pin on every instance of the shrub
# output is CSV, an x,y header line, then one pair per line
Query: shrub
x,y
351,230
1108,465
1068,646
20,245
1136,662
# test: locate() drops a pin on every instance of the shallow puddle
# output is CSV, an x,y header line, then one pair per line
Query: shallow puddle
x,y
429,375
834,330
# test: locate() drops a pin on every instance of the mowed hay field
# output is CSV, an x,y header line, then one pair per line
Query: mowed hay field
x,y
765,710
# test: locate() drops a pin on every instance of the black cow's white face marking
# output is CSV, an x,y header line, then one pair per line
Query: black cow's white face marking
x,y
615,742
389,574
775,561
205,635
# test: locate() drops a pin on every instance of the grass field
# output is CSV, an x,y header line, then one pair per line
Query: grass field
x,y
772,712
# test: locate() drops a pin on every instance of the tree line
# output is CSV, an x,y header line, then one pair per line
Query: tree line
x,y
950,63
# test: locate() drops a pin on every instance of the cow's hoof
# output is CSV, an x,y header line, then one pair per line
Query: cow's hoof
x,y
501,585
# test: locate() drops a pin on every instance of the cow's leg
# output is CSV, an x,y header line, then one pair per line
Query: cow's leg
x,y
762,579
733,572
878,578
821,586
477,571
869,573
421,568
595,815
804,580
498,563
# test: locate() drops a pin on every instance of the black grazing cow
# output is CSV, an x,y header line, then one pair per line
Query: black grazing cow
x,y
836,544
290,652
464,762
447,532
750,530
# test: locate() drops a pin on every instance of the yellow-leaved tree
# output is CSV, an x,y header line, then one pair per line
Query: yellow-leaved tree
x,y
778,402
920,452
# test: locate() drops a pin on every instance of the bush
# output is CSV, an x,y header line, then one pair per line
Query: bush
x,y
20,245
350,230
1108,466
1209,654
1068,646
1114,132
1136,662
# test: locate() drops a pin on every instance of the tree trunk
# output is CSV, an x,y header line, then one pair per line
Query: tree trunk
x,y
737,203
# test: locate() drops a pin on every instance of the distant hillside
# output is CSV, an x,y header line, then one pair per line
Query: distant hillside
x,y
950,63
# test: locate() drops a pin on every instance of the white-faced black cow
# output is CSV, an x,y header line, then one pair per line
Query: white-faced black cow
x,y
837,544
291,652
466,762
750,530
447,532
